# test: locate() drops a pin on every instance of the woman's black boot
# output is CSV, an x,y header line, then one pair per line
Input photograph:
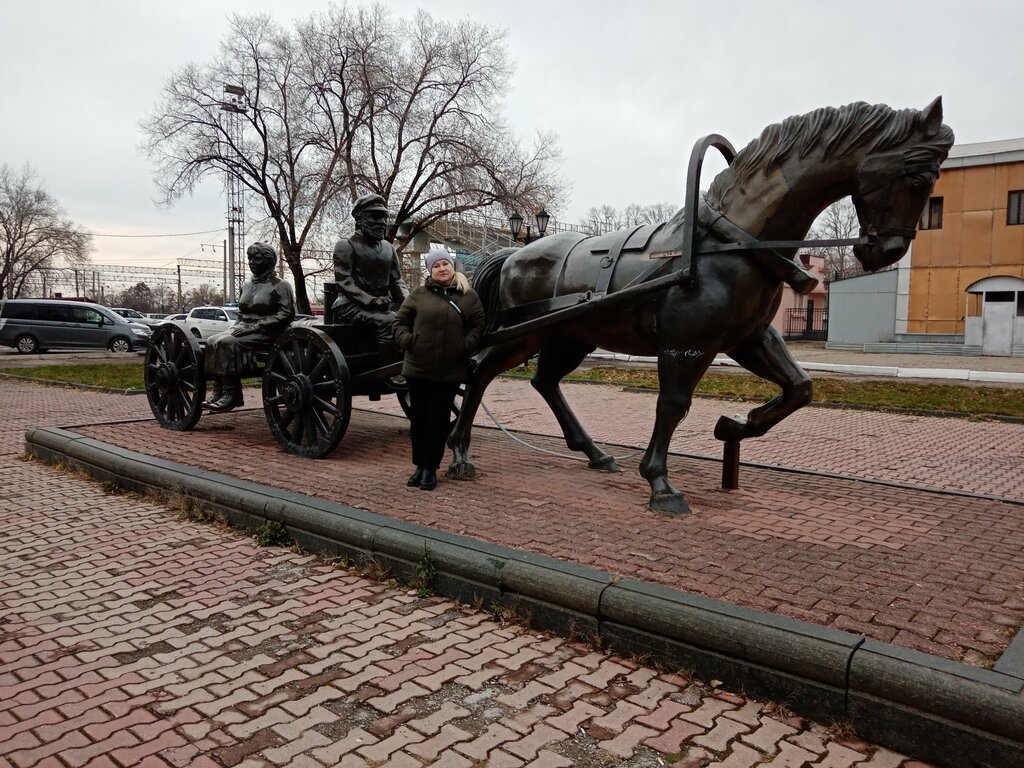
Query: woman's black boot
x,y
416,478
429,480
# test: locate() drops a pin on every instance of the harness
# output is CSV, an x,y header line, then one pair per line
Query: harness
x,y
701,217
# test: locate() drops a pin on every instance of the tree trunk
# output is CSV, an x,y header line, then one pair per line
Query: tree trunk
x,y
293,256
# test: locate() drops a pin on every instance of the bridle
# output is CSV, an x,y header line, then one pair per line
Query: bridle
x,y
872,186
717,223
733,238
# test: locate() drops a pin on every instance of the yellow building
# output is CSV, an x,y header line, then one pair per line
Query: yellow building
x,y
963,280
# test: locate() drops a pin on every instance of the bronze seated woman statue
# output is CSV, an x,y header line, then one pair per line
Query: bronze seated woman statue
x,y
265,308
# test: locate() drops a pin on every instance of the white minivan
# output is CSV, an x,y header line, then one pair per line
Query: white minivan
x,y
36,325
204,322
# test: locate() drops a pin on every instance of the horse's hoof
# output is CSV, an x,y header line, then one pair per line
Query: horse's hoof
x,y
669,503
461,470
605,464
731,428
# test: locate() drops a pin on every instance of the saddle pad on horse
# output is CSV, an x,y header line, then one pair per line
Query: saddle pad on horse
x,y
609,249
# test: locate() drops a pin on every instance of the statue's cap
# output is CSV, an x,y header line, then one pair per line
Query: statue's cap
x,y
367,203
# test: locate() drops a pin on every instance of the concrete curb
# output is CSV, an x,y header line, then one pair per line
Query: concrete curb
x,y
944,712
952,374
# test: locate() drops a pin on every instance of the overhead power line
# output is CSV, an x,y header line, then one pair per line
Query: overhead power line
x,y
175,234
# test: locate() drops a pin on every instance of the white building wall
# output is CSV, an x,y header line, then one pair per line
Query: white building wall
x,y
862,310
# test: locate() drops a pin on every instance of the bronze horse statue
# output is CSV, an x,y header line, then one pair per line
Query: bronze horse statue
x,y
887,160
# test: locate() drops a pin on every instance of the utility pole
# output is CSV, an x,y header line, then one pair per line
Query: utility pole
x,y
230,296
180,306
234,104
77,294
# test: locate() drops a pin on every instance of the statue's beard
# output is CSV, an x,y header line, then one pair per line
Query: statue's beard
x,y
373,234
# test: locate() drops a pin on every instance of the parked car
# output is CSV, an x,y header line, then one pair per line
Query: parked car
x,y
175,318
134,316
157,316
36,325
204,322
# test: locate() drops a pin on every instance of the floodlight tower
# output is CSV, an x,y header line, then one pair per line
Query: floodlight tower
x,y
234,107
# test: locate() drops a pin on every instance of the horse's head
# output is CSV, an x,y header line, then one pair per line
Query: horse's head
x,y
893,187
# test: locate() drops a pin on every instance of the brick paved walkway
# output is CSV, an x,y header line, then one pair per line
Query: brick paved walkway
x,y
984,457
129,636
938,573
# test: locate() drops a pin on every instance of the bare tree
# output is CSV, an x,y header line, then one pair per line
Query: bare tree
x,y
632,215
350,101
203,295
138,296
605,218
837,222
436,144
659,212
165,299
36,239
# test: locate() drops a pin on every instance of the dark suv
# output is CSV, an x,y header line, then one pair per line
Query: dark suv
x,y
35,325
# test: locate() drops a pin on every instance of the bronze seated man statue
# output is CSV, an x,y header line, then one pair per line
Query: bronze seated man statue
x,y
265,308
366,272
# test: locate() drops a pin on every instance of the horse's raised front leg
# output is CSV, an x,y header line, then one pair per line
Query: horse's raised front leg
x,y
769,358
678,374
558,357
492,361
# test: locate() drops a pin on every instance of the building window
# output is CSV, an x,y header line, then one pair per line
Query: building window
x,y
974,304
1015,207
932,216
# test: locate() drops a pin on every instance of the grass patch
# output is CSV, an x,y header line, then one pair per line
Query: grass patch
x,y
976,401
112,376
870,394
109,375
272,534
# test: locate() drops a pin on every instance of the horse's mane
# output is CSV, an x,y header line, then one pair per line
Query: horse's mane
x,y
836,130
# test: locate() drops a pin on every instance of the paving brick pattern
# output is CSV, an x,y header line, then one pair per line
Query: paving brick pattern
x,y
985,457
131,637
938,573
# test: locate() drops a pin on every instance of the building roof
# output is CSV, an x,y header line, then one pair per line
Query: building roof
x,y
985,153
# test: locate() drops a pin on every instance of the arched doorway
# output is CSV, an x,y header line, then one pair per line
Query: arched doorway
x,y
995,315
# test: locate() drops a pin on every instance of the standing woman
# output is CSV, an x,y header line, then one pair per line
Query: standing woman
x,y
439,327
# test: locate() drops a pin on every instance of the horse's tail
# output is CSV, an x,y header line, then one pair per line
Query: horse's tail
x,y
486,282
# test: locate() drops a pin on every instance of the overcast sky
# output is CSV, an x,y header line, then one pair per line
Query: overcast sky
x,y
627,87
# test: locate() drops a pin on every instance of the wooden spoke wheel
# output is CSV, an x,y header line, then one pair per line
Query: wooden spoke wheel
x,y
307,395
173,373
405,401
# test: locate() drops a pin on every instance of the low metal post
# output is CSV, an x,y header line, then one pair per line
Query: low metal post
x,y
731,465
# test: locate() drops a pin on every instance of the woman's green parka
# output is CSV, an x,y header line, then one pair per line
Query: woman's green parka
x,y
436,339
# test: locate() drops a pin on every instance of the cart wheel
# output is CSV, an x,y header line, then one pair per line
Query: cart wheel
x,y
306,393
173,373
406,403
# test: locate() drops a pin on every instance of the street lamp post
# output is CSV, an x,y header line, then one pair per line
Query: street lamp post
x,y
515,225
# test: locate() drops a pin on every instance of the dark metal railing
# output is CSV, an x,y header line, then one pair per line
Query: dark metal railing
x,y
807,323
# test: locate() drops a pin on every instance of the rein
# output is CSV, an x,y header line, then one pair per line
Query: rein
x,y
741,240
719,224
